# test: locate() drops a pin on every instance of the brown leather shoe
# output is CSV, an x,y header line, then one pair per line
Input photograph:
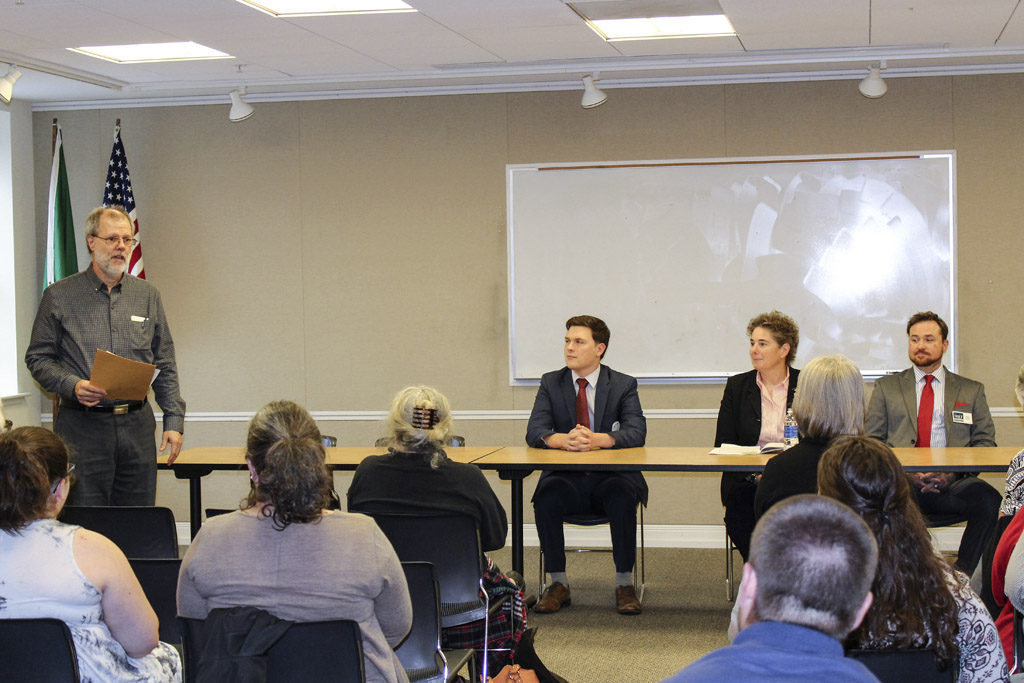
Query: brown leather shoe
x,y
555,597
626,600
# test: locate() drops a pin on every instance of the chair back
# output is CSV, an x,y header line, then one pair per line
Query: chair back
x,y
901,666
159,579
37,651
419,652
311,652
452,544
139,531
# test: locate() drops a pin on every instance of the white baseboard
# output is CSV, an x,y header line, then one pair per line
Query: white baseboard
x,y
656,536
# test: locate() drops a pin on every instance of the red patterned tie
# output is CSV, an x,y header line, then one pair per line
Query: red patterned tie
x,y
582,407
924,414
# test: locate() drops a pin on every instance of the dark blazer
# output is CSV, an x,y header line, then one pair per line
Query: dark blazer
x,y
617,412
739,417
793,471
892,411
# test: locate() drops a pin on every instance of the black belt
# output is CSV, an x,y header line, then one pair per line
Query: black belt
x,y
116,409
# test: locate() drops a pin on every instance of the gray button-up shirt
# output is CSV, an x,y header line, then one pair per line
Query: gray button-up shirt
x,y
78,315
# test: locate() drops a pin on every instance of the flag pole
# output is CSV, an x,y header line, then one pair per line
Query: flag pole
x,y
53,148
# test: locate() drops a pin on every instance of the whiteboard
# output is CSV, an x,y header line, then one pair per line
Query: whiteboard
x,y
677,256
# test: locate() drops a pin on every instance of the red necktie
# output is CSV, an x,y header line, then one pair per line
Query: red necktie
x,y
924,414
582,407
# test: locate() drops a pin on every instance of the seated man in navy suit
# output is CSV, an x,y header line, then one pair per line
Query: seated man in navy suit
x,y
582,407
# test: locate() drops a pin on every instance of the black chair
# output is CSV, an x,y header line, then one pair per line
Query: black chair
x,y
903,666
420,652
730,575
1017,665
159,579
214,512
311,652
37,651
139,531
452,544
587,519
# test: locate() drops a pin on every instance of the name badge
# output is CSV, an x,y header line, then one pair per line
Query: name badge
x,y
962,418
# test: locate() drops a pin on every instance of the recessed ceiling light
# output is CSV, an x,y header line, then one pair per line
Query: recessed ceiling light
x,y
696,26
314,8
151,52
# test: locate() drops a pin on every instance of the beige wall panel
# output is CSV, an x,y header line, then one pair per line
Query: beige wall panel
x,y
403,209
651,123
831,117
990,157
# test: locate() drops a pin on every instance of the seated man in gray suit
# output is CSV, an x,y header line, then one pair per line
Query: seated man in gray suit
x,y
927,405
582,407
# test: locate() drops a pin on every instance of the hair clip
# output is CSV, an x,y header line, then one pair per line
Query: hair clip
x,y
424,418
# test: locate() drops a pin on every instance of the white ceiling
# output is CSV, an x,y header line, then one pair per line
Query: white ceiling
x,y
453,46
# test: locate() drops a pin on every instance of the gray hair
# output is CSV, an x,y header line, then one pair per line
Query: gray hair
x,y
1019,388
829,398
92,221
815,560
405,436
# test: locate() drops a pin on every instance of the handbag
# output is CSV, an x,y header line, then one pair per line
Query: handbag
x,y
513,673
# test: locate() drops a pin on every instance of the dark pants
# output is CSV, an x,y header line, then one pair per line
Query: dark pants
x,y
969,499
603,493
114,456
739,512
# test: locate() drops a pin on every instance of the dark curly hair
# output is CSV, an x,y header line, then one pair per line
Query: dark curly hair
x,y
32,459
783,328
913,604
285,449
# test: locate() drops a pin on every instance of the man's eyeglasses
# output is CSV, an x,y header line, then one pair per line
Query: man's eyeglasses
x,y
116,239
71,468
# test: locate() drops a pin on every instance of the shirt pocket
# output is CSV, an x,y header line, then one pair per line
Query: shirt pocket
x,y
141,332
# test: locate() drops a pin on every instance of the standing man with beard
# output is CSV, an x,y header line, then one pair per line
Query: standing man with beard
x,y
111,442
929,406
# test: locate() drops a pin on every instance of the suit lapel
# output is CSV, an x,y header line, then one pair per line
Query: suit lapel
x,y
604,385
909,391
752,399
568,391
952,390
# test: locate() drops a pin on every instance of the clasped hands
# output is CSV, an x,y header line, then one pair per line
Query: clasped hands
x,y
580,438
932,482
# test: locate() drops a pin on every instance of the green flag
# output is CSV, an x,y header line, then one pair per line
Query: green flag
x,y
61,257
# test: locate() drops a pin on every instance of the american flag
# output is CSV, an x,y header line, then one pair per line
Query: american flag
x,y
118,192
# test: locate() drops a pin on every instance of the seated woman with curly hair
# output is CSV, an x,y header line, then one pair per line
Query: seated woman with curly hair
x,y
286,553
920,601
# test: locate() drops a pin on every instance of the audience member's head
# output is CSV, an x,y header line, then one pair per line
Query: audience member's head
x,y
783,329
33,462
829,399
420,421
812,561
912,594
286,456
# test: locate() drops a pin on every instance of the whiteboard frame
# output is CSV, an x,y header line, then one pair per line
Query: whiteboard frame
x,y
512,170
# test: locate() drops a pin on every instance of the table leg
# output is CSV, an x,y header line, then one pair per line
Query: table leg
x,y
515,477
195,494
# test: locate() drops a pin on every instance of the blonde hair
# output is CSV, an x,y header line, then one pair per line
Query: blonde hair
x,y
829,398
405,436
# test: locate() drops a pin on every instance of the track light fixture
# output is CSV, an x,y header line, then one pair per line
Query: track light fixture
x,y
7,83
873,86
240,109
592,95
